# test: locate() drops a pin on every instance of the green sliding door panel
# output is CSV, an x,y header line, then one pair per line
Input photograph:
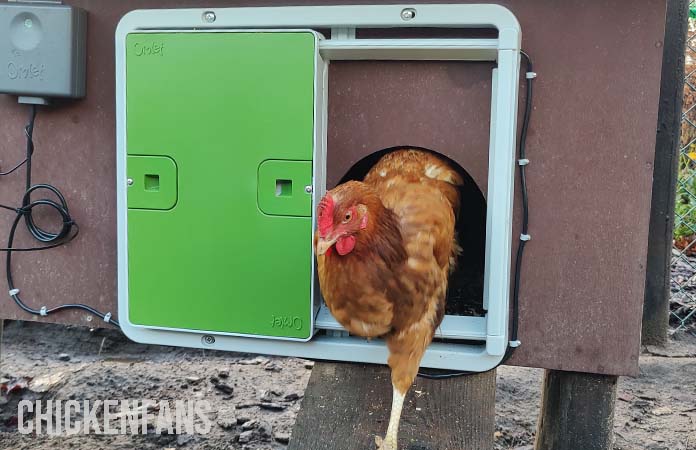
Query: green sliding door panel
x,y
219,137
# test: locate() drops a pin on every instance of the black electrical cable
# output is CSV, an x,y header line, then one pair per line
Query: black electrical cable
x,y
525,203
522,163
14,168
51,239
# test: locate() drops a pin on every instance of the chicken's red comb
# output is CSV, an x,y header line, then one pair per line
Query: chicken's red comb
x,y
325,215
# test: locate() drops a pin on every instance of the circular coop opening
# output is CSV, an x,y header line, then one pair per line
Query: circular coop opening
x,y
465,288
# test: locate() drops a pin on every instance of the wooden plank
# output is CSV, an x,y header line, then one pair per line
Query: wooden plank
x,y
577,411
656,304
347,405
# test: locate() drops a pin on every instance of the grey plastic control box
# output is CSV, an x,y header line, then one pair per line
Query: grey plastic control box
x,y
42,50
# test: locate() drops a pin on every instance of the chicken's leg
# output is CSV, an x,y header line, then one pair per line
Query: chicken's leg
x,y
389,441
405,352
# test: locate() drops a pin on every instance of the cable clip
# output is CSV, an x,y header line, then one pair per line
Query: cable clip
x,y
107,317
531,75
13,292
43,311
515,344
523,162
525,237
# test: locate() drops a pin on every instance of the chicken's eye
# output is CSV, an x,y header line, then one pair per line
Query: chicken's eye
x,y
347,217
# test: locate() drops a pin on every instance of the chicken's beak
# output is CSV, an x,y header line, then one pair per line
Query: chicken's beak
x,y
325,243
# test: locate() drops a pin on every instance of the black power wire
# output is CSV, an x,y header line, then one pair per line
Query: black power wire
x,y
522,163
51,239
525,204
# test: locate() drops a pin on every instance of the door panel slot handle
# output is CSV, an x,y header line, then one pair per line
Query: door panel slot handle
x,y
283,188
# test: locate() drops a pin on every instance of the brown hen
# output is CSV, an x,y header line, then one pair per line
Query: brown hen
x,y
385,248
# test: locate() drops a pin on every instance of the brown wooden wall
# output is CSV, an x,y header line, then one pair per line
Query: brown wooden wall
x,y
591,143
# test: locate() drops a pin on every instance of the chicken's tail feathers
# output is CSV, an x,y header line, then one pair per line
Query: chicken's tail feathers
x,y
439,169
450,179
451,182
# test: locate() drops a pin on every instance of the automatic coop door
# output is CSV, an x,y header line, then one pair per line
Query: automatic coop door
x,y
221,142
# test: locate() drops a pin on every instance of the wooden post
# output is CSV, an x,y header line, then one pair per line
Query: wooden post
x,y
656,305
347,405
577,411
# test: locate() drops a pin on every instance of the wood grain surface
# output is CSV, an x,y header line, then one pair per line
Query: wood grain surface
x,y
347,405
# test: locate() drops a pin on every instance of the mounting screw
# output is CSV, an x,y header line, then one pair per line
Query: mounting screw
x,y
209,17
129,181
408,14
208,339
308,189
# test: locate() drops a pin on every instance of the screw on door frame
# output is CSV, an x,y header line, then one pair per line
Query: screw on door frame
x,y
208,339
209,17
129,181
408,14
308,189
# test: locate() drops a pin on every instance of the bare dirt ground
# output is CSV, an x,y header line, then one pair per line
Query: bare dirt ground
x,y
255,399
655,411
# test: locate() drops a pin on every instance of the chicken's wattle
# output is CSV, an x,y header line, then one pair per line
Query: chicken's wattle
x,y
345,245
